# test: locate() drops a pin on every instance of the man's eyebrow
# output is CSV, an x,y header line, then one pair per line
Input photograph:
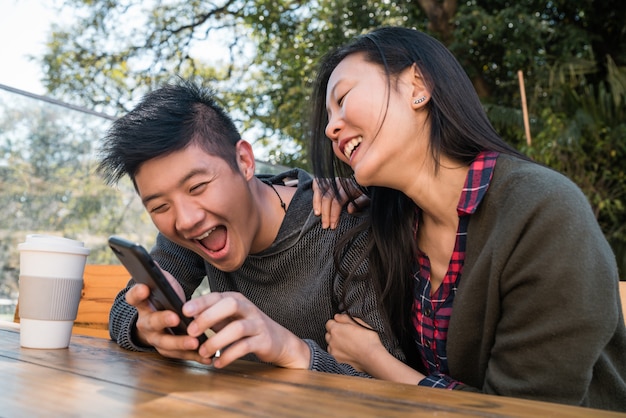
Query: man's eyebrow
x,y
181,182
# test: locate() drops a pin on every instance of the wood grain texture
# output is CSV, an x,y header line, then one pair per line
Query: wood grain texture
x,y
94,377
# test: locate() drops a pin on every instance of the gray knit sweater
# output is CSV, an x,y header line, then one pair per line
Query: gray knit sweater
x,y
294,281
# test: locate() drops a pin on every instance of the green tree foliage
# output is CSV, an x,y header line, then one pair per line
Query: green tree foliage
x,y
583,134
48,184
261,55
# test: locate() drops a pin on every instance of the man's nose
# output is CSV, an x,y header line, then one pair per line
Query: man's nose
x,y
188,217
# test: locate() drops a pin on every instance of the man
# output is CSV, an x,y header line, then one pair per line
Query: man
x,y
269,262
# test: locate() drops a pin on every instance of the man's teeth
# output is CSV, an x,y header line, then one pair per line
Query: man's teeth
x,y
206,234
350,146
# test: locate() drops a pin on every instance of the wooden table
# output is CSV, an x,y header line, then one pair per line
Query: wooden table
x,y
94,377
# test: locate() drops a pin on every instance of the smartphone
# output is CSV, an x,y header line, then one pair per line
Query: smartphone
x,y
143,269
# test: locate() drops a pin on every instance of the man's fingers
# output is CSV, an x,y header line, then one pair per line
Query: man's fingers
x,y
137,294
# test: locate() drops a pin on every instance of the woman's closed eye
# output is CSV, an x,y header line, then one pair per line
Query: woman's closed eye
x,y
338,101
341,98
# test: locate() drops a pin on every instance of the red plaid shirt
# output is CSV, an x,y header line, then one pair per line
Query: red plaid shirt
x,y
431,312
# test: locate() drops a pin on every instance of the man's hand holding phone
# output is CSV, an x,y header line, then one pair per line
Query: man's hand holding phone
x,y
242,328
159,299
153,327
180,329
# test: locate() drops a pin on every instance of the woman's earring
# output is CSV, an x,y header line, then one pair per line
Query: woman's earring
x,y
420,100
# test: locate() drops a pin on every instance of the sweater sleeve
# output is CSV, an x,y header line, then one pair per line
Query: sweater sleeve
x,y
321,361
358,298
553,307
122,320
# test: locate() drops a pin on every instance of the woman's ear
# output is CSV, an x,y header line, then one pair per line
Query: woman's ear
x,y
420,94
245,159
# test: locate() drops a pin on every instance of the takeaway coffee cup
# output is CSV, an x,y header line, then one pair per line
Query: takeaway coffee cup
x,y
50,286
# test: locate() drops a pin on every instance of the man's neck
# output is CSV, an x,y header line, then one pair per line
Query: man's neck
x,y
270,200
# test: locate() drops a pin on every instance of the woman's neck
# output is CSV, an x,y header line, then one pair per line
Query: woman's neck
x,y
438,195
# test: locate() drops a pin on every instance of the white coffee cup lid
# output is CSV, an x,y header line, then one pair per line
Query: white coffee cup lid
x,y
41,242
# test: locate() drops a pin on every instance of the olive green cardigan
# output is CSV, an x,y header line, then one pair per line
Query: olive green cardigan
x,y
537,313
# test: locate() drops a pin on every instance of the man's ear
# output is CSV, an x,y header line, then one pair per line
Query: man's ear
x,y
245,159
420,94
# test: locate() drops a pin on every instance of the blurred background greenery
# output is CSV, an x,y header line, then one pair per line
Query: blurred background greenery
x,y
260,56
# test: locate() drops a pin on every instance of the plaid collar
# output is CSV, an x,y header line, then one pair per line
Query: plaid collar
x,y
477,182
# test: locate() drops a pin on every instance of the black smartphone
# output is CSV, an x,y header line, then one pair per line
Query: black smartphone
x,y
143,269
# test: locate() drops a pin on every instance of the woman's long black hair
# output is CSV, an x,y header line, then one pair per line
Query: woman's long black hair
x,y
460,130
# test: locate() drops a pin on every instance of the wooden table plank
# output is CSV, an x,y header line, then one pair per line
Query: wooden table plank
x,y
94,374
58,393
196,384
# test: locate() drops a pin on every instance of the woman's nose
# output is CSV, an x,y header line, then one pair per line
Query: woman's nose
x,y
333,127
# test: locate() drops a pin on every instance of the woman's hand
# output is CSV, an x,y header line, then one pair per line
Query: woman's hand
x,y
352,341
328,205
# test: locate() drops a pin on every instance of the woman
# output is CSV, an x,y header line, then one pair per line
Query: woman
x,y
492,269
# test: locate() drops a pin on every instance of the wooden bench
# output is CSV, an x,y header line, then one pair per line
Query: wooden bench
x,y
102,282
